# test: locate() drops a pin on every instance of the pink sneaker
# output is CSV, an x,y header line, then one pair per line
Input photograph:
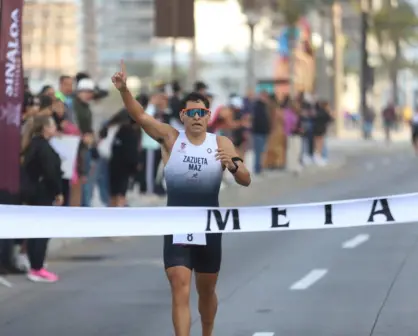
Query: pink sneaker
x,y
43,275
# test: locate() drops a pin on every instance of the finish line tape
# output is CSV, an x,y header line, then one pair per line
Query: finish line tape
x,y
70,222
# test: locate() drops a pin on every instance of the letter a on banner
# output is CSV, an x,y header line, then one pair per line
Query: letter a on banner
x,y
11,98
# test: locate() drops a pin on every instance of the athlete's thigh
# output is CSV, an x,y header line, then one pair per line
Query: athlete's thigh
x,y
208,258
176,255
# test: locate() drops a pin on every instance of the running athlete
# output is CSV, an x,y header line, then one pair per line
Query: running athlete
x,y
194,163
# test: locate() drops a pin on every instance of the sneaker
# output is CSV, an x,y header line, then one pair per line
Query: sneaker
x,y
42,275
22,262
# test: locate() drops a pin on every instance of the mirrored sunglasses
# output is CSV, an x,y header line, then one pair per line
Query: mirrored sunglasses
x,y
201,112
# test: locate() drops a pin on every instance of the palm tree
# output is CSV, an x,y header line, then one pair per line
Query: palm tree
x,y
394,27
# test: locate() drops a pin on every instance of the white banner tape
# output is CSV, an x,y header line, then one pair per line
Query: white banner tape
x,y
68,222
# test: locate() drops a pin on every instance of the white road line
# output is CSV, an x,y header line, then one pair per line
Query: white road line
x,y
264,334
6,283
356,241
309,279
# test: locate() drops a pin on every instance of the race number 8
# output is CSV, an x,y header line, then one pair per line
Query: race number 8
x,y
190,237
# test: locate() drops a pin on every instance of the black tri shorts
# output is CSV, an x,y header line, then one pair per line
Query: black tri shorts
x,y
200,258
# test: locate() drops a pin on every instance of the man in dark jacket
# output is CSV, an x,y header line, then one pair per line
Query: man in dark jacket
x,y
84,117
260,129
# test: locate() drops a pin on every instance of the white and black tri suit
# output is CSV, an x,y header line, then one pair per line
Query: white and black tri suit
x,y
193,178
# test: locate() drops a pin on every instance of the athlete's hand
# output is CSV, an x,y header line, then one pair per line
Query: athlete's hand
x,y
226,158
119,78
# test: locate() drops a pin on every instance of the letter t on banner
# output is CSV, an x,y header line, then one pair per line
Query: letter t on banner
x,y
11,98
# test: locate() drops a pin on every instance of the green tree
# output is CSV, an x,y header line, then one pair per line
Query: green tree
x,y
395,27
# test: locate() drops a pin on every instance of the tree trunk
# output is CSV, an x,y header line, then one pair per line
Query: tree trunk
x,y
394,74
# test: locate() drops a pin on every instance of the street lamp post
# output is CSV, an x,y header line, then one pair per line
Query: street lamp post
x,y
252,20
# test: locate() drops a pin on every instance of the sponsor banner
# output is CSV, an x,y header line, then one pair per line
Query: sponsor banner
x,y
11,94
68,222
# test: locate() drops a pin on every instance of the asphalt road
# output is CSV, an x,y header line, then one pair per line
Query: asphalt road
x,y
343,282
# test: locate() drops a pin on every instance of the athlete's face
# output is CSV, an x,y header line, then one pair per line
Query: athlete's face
x,y
195,117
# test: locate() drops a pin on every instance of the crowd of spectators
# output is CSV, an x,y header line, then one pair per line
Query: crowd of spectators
x,y
283,135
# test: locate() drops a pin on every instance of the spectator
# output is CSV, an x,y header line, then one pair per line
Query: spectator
x,y
275,151
124,161
294,132
389,120
47,90
41,187
98,93
260,129
201,88
65,94
83,189
176,105
321,122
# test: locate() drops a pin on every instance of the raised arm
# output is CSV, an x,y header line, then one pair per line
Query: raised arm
x,y
157,130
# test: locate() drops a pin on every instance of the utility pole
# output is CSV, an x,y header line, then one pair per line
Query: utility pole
x,y
175,30
338,67
364,58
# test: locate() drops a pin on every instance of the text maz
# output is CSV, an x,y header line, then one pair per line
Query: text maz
x,y
195,163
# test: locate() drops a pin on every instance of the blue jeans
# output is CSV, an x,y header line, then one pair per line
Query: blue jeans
x,y
88,187
259,144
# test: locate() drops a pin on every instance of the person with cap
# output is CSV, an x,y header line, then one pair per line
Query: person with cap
x,y
84,117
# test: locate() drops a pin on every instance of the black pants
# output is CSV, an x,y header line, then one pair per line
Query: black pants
x,y
37,252
66,191
151,160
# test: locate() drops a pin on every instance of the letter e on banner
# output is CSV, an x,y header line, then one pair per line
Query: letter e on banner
x,y
222,222
275,218
385,210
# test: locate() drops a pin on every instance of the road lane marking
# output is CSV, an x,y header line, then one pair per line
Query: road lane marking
x,y
356,241
264,334
309,279
5,282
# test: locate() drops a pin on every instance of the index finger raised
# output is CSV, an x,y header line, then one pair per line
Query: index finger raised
x,y
122,67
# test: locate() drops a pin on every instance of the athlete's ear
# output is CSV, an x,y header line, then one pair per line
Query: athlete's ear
x,y
182,117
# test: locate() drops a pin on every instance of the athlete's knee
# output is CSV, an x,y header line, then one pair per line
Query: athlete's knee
x,y
206,285
179,278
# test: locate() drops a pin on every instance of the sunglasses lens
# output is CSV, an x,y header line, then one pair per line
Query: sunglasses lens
x,y
192,112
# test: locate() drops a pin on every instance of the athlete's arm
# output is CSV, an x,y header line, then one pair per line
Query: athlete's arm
x,y
154,128
157,130
227,151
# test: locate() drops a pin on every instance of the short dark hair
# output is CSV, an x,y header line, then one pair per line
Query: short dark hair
x,y
195,97
64,77
200,86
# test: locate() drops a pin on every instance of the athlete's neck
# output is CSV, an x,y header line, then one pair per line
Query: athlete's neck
x,y
196,138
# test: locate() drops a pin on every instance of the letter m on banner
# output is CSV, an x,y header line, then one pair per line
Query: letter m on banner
x,y
222,220
11,98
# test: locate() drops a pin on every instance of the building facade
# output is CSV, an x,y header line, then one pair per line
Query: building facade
x,y
125,29
49,40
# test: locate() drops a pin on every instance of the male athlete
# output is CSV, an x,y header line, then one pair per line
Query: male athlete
x,y
194,163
